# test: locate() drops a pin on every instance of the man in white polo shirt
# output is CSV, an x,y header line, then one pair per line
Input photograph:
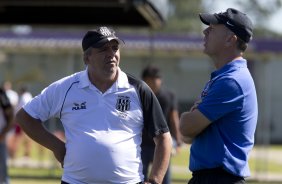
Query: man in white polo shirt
x,y
104,112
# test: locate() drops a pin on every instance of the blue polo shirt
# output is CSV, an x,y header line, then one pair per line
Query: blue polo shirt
x,y
229,101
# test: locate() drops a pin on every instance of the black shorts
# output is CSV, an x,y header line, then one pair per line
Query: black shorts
x,y
215,176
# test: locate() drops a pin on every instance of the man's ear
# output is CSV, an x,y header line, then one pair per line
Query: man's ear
x,y
85,59
231,39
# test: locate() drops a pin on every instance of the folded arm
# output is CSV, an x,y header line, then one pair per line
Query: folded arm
x,y
192,123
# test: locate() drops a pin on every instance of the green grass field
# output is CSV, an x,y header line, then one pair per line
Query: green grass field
x,y
180,174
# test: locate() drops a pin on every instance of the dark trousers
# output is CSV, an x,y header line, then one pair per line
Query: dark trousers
x,y
215,176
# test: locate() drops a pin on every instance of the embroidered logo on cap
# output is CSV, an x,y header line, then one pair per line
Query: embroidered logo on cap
x,y
105,31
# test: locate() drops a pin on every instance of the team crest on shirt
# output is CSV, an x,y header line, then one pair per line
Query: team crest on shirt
x,y
123,103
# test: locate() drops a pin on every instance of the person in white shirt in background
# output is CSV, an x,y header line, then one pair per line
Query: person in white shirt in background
x,y
17,136
12,95
14,99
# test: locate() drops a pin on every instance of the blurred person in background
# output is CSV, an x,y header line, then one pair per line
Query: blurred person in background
x,y
6,122
221,125
103,111
12,94
152,76
18,136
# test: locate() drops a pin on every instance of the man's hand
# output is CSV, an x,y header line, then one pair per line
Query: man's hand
x,y
60,153
195,106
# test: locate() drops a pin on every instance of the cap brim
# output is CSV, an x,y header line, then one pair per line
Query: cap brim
x,y
208,19
106,40
120,41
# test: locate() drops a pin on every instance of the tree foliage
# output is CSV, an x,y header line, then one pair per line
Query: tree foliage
x,y
184,17
261,10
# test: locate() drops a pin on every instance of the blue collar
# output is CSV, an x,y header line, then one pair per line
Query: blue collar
x,y
237,63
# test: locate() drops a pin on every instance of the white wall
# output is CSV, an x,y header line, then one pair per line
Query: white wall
x,y
268,78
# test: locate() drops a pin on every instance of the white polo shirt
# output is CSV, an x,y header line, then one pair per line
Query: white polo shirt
x,y
103,131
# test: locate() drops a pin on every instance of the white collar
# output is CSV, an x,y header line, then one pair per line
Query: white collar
x,y
122,80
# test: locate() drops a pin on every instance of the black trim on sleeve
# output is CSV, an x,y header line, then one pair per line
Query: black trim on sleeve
x,y
154,120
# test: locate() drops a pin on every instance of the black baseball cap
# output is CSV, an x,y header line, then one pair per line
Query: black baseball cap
x,y
98,37
233,19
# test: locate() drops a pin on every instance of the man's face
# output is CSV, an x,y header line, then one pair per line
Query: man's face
x,y
104,61
154,83
215,39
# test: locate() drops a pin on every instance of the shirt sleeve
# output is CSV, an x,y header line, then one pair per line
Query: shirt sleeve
x,y
154,120
46,105
223,96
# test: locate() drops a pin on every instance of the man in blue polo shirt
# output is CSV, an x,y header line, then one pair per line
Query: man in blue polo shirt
x,y
222,123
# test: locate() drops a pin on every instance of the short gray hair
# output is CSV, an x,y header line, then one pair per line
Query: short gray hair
x,y
87,53
241,44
